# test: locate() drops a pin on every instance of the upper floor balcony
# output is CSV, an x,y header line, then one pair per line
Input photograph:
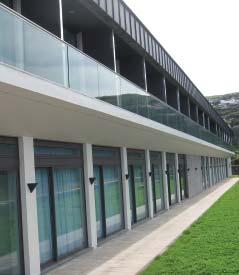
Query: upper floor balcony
x,y
29,48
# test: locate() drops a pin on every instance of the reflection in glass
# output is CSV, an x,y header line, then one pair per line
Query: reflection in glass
x,y
70,209
140,192
10,263
98,203
44,216
171,178
108,191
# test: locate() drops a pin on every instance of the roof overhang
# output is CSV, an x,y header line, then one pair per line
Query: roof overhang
x,y
31,106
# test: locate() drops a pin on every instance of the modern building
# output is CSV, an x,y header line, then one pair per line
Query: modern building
x,y
100,129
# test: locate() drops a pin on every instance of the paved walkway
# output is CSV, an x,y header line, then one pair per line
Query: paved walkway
x,y
130,252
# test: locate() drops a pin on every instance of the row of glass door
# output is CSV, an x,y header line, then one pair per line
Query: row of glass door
x,y
61,198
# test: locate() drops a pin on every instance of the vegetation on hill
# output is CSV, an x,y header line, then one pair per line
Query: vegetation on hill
x,y
228,107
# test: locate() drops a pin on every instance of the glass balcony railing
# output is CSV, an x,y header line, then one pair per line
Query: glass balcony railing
x,y
28,47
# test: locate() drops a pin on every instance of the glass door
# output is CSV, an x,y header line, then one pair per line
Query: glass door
x,y
157,181
99,202
11,249
44,210
61,212
108,191
171,177
10,229
183,176
60,200
137,185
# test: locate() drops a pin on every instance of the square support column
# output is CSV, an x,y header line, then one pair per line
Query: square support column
x,y
29,207
178,100
114,51
203,118
165,181
145,76
229,167
149,184
189,109
177,178
90,196
165,89
125,183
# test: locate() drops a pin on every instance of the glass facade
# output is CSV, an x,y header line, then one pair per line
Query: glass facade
x,y
137,185
11,255
60,200
108,191
29,48
157,181
171,176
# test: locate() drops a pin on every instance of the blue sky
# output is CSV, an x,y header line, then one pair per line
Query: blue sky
x,y
201,35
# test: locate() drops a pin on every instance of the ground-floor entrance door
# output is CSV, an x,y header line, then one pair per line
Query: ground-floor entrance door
x,y
108,191
137,185
157,181
60,201
11,250
182,165
171,178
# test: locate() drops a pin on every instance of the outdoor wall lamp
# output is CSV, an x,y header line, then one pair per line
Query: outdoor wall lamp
x,y
92,180
32,186
150,174
127,176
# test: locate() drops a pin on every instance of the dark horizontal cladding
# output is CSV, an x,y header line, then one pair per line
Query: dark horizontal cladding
x,y
129,22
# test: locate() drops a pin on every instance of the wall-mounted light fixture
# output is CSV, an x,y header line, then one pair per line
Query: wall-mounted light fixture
x,y
32,186
92,180
127,176
150,174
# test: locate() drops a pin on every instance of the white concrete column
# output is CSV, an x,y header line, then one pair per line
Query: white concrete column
x,y
114,50
17,6
29,207
229,167
197,114
145,76
165,89
189,109
90,196
178,100
209,126
149,184
177,178
203,117
61,20
165,180
125,183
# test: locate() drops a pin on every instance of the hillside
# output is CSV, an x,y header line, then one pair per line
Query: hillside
x,y
228,107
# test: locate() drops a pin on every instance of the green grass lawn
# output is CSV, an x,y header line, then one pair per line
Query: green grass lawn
x,y
210,246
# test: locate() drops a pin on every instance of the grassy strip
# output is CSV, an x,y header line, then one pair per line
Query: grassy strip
x,y
209,246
